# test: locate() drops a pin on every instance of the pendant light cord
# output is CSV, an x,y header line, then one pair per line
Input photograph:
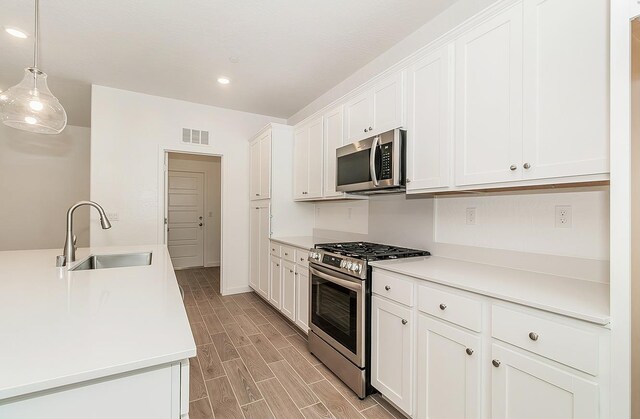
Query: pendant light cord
x,y
35,35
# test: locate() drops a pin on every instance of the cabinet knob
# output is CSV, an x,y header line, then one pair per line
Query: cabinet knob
x,y
404,321
527,166
370,129
365,130
257,194
533,336
290,271
200,224
495,363
286,254
387,287
513,167
443,306
469,351
408,180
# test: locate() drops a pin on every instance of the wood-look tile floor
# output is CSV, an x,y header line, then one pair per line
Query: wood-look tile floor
x,y
253,363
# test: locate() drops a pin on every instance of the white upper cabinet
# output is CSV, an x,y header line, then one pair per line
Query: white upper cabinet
x,y
566,88
429,134
378,109
333,135
524,388
488,116
260,170
307,162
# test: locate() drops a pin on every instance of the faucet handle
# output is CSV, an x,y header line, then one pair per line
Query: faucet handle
x,y
61,261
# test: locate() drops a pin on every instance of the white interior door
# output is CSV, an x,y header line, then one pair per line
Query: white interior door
x,y
186,224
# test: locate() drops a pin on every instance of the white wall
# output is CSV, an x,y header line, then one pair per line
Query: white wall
x,y
127,131
444,22
210,167
41,176
512,229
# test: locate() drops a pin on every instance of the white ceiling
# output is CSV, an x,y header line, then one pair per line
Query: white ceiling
x,y
289,51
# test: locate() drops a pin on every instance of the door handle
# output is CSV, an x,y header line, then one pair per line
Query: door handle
x,y
372,161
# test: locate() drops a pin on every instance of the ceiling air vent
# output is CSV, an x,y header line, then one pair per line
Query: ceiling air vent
x,y
195,136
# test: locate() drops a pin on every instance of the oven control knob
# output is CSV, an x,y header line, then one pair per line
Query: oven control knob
x,y
343,263
348,265
357,267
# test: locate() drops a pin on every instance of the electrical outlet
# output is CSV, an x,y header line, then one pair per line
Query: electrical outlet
x,y
471,216
113,216
563,216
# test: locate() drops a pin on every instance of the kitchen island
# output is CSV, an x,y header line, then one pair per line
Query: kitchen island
x,y
98,343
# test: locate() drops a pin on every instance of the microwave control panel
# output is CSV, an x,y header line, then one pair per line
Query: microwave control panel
x,y
386,153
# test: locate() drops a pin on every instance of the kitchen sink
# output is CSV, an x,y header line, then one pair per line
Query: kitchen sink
x,y
114,261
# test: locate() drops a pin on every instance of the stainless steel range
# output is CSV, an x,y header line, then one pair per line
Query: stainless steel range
x,y
340,305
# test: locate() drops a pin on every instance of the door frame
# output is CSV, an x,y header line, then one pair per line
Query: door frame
x,y
204,211
163,173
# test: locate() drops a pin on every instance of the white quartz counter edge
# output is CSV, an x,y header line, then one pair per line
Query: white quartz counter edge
x,y
302,242
63,362
584,300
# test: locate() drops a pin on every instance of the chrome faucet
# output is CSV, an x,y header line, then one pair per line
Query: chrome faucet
x,y
70,239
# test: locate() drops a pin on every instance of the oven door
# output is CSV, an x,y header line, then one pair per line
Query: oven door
x,y
338,311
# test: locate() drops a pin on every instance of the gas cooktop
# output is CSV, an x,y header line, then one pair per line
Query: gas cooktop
x,y
370,251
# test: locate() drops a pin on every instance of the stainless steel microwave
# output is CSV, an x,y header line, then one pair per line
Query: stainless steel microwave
x,y
373,165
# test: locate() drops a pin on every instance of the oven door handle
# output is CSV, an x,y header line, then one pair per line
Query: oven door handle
x,y
342,282
372,160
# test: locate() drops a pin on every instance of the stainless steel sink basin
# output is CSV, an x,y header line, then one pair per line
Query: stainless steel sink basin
x,y
114,261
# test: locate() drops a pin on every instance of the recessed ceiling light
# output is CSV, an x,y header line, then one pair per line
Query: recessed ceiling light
x,y
16,32
223,80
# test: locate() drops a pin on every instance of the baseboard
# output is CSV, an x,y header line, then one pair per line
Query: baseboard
x,y
236,290
212,264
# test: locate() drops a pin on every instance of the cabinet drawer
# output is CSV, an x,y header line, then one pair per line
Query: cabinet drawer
x,y
275,249
288,253
393,288
302,257
565,344
451,307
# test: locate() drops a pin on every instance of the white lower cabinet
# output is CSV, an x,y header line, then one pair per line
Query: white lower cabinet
x,y
525,388
392,351
275,282
302,298
449,371
289,290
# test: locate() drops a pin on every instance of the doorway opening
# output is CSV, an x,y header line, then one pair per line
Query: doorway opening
x,y
193,210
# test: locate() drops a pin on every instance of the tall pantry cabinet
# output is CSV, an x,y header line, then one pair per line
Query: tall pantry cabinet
x,y
272,210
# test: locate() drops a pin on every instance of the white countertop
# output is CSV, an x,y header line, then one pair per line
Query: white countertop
x,y
304,242
59,327
571,297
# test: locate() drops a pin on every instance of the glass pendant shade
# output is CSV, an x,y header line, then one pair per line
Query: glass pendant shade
x,y
30,105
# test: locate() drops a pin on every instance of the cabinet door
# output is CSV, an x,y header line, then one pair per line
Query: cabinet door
x,y
314,158
254,178
275,283
254,249
358,117
300,163
265,166
302,298
488,117
264,248
388,104
333,134
524,388
392,352
430,116
566,88
449,374
289,290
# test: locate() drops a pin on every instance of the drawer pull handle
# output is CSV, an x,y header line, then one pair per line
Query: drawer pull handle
x,y
387,287
404,321
469,351
533,336
495,363
443,306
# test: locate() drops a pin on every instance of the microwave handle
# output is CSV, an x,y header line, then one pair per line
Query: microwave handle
x,y
372,160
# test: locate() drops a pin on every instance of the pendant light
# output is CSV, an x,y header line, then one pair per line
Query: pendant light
x,y
30,105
